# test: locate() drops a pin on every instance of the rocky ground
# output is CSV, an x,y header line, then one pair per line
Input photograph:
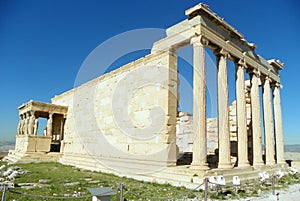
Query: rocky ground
x,y
290,194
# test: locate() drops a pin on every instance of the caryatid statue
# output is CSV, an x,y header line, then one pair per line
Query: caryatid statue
x,y
20,125
31,123
25,124
49,124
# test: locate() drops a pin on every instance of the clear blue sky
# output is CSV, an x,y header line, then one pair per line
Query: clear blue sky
x,y
43,44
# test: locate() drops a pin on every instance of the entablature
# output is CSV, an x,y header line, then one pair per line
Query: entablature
x,y
42,109
203,22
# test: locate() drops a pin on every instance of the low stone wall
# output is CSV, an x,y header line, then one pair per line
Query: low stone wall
x,y
27,143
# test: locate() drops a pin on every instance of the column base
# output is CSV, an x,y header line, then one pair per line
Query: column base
x,y
199,166
282,164
225,166
243,164
270,163
258,164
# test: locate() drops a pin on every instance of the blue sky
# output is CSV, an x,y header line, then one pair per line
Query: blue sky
x,y
44,43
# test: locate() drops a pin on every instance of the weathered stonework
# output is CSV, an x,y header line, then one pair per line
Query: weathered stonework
x,y
119,123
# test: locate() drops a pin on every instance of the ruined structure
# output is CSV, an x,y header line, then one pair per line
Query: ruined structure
x,y
97,129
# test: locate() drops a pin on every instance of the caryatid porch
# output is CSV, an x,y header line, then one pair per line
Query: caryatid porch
x,y
27,138
204,29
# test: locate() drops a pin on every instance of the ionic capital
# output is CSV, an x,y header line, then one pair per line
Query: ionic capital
x,y
265,78
276,85
199,40
172,50
253,71
221,53
241,64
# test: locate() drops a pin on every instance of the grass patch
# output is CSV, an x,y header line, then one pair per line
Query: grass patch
x,y
61,180
54,179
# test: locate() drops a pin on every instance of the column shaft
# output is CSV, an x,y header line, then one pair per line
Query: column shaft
x,y
36,123
278,125
49,125
268,123
223,112
241,117
256,124
199,106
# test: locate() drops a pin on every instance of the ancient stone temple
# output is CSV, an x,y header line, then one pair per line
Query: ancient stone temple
x,y
108,125
30,146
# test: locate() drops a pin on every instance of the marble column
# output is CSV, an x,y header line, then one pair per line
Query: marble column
x,y
36,125
241,115
223,111
268,122
278,124
50,124
199,106
256,123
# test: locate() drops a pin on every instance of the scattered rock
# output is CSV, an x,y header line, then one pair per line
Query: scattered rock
x,y
44,181
94,182
26,184
27,187
31,185
71,184
88,179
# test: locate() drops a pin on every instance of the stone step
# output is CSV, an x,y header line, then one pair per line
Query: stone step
x,y
18,157
184,177
13,156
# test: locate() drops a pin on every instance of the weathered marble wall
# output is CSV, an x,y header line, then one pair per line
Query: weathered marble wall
x,y
129,113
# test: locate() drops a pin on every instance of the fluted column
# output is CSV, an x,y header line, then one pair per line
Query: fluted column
x,y
268,122
255,118
278,124
241,116
49,124
199,106
223,111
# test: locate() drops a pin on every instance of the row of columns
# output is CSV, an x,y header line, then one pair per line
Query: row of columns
x,y
199,112
28,124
